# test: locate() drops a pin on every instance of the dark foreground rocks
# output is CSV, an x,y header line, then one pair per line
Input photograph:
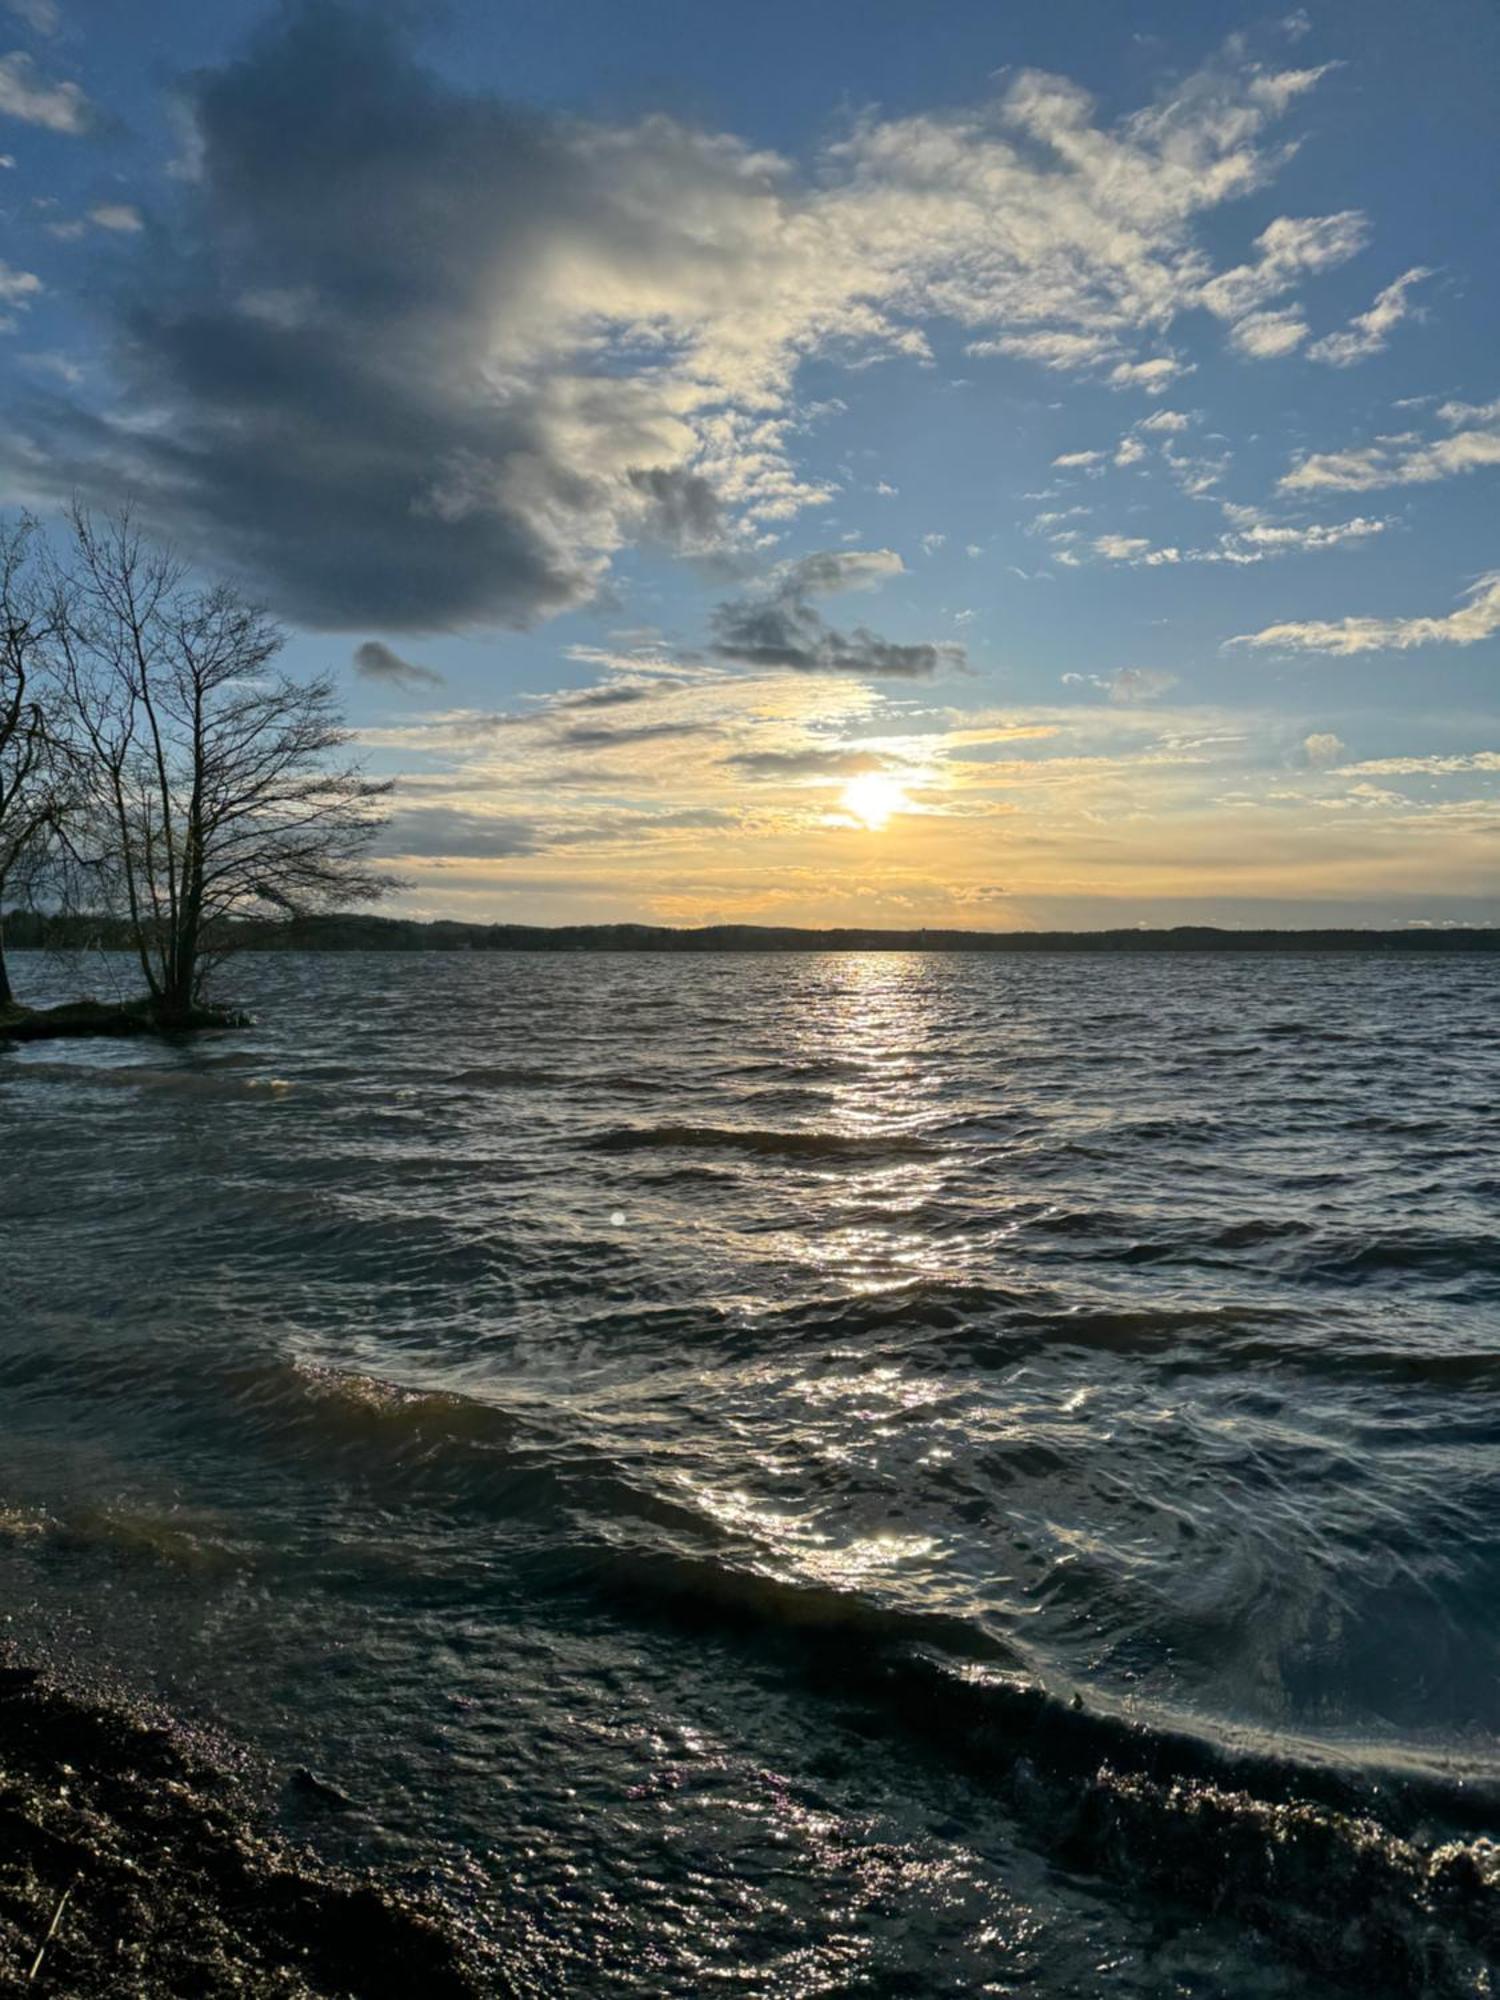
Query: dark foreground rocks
x,y
167,1886
102,1017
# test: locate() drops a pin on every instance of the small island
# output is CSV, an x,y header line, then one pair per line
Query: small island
x,y
157,772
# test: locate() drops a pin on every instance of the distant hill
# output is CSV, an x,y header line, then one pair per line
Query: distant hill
x,y
371,933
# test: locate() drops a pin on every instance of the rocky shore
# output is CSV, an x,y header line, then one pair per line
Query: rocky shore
x,y
130,1864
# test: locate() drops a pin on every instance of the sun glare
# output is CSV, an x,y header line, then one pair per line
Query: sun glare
x,y
871,798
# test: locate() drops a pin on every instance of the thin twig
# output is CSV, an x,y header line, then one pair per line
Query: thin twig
x,y
57,1917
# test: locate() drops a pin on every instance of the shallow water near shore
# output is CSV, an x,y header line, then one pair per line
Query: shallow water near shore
x,y
870,1473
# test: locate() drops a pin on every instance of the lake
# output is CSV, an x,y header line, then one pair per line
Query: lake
x,y
887,1474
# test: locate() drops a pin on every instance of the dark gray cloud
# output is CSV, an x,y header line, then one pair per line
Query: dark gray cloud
x,y
408,357
376,662
826,572
607,828
782,629
614,694
681,508
451,833
810,763
352,408
592,736
435,831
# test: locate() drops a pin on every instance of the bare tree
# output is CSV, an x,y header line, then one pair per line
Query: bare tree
x,y
33,769
214,786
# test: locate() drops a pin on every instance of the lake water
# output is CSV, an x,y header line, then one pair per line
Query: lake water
x,y
800,1475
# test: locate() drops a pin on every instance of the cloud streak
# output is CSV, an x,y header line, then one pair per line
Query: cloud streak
x,y
1478,617
1369,332
1407,460
376,662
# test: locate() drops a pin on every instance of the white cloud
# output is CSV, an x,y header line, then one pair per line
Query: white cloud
x,y
1164,420
1289,247
18,286
1323,748
1428,767
1155,376
1079,458
122,216
1266,336
1265,538
1196,475
1256,543
1368,332
1393,461
1470,413
1049,522
1478,617
27,95
1072,352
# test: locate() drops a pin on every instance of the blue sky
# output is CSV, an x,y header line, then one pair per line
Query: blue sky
x,y
1008,465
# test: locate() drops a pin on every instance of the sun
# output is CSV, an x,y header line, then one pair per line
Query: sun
x,y
872,798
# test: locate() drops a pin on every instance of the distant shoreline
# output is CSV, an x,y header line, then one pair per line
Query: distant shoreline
x,y
369,933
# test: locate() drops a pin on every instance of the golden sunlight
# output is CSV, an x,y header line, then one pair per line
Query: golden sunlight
x,y
872,798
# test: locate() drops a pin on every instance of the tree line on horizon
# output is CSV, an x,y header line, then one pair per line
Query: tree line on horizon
x,y
157,770
359,931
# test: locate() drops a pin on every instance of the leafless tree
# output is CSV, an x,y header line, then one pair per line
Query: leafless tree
x,y
33,769
214,783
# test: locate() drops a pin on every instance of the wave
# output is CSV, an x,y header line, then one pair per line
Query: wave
x,y
745,1595
757,1141
1409,1253
501,1076
217,1080
987,1326
1295,1247
1376,1876
1327,1859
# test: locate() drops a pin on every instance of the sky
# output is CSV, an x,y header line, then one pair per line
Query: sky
x,y
998,465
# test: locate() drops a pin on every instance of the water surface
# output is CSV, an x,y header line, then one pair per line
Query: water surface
x,y
797,1475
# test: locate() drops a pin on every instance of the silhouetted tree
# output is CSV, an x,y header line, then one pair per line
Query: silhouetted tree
x,y
33,769
211,783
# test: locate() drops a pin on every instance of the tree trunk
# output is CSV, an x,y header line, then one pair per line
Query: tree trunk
x,y
7,998
175,1004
